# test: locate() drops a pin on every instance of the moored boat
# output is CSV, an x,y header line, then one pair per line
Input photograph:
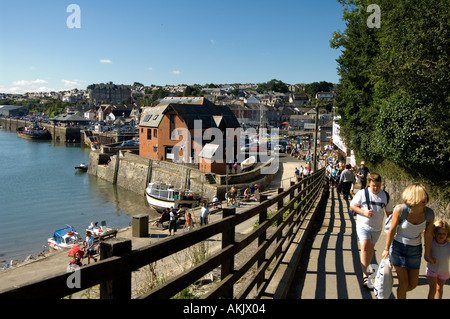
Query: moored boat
x,y
82,166
64,238
34,133
249,162
163,196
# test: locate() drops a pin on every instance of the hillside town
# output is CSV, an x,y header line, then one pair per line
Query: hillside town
x,y
252,106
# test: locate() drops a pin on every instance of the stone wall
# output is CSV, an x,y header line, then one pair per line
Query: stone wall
x,y
395,189
133,172
58,133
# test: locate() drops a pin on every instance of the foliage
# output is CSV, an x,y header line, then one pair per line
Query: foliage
x,y
192,91
49,106
273,85
393,98
312,88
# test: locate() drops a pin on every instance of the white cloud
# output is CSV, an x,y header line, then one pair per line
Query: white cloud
x,y
175,72
212,42
44,89
71,84
150,68
106,61
29,83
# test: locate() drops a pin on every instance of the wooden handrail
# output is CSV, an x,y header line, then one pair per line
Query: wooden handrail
x,y
301,197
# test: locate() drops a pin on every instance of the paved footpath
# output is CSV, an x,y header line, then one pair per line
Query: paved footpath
x,y
333,269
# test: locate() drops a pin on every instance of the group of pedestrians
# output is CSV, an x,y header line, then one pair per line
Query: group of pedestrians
x,y
403,247
301,173
345,176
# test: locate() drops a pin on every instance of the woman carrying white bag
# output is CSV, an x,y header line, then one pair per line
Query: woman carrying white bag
x,y
404,238
383,281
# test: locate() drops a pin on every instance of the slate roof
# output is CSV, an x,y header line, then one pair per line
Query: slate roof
x,y
190,109
69,118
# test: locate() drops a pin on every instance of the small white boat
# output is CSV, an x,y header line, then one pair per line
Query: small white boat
x,y
64,238
163,196
82,166
249,162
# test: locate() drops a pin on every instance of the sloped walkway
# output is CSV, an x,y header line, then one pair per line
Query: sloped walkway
x,y
333,270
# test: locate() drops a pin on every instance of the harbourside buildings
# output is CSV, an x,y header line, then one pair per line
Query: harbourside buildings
x,y
177,129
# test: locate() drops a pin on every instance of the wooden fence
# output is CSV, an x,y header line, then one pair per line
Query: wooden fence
x,y
272,235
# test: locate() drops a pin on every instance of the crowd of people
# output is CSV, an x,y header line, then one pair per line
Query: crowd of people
x,y
412,233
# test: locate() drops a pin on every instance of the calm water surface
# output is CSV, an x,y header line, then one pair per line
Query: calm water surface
x,y
41,191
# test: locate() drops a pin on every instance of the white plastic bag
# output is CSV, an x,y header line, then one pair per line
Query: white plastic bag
x,y
383,282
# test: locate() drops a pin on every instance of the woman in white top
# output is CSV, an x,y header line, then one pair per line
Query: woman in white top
x,y
404,239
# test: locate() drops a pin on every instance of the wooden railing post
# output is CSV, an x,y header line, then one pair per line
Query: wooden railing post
x,y
119,288
262,238
228,238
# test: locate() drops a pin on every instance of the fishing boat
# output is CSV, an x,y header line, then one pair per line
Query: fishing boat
x,y
64,238
163,196
34,133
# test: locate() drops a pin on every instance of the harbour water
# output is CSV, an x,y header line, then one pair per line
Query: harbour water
x,y
41,191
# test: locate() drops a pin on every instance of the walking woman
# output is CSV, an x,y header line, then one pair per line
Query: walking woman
x,y
404,239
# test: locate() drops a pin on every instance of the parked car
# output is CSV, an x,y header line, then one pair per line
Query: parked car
x,y
256,147
280,148
130,143
245,148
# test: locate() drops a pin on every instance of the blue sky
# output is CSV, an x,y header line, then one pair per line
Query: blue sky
x,y
166,42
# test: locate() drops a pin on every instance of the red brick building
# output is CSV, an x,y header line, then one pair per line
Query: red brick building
x,y
163,130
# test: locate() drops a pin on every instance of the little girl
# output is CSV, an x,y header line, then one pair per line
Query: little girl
x,y
189,223
437,269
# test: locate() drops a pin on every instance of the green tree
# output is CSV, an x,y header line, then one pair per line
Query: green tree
x,y
394,92
273,85
312,88
354,101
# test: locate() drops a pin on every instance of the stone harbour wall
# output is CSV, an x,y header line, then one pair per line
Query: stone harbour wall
x,y
134,172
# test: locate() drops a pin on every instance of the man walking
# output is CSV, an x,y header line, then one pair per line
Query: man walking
x,y
361,174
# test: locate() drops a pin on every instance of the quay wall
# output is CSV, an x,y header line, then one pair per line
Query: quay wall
x,y
134,172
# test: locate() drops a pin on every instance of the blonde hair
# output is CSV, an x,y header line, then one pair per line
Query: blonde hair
x,y
441,224
415,194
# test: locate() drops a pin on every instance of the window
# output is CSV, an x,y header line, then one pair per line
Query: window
x,y
149,134
172,125
155,133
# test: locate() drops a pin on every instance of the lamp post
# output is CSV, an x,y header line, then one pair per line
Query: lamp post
x,y
316,128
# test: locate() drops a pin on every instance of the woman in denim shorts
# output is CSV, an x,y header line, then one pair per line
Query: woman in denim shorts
x,y
404,239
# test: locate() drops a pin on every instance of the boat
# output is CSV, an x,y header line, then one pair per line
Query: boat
x,y
249,162
34,133
64,238
82,166
102,230
163,196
